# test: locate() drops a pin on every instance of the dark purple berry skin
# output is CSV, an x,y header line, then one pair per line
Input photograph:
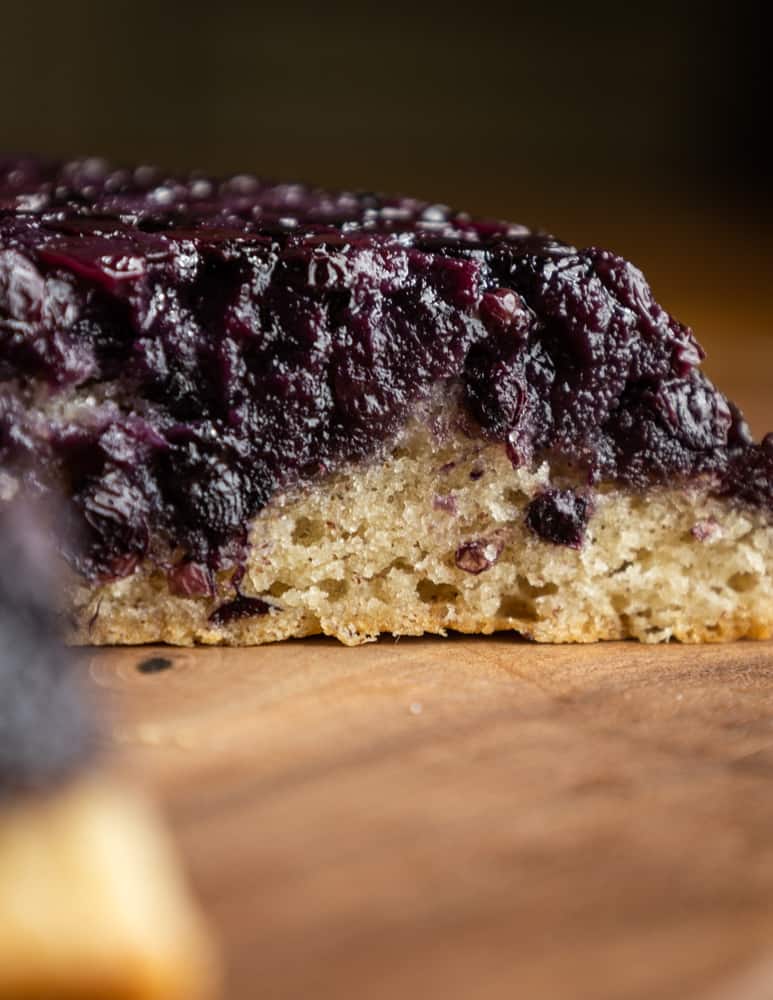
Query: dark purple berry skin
x,y
191,579
478,555
559,517
239,607
263,333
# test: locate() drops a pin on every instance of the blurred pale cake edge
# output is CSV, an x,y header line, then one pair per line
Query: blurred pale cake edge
x,y
93,903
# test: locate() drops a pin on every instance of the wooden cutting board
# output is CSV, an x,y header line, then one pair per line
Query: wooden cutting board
x,y
469,818
472,818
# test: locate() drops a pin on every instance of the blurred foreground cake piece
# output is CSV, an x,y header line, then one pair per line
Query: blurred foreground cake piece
x,y
92,900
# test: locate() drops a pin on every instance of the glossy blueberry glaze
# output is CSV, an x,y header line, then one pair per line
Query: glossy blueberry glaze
x,y
260,334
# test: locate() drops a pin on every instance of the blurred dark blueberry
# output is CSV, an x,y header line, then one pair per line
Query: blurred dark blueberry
x,y
46,731
240,607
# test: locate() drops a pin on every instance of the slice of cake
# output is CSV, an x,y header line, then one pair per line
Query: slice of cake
x,y
277,411
92,904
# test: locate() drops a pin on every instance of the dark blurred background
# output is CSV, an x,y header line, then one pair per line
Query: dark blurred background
x,y
641,126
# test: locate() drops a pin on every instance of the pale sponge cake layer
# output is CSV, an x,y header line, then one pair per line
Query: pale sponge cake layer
x,y
386,546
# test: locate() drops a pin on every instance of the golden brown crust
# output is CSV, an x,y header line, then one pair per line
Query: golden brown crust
x,y
373,550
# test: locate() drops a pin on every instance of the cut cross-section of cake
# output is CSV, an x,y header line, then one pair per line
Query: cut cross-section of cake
x,y
278,411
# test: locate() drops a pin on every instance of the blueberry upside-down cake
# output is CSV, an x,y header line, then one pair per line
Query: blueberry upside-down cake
x,y
273,411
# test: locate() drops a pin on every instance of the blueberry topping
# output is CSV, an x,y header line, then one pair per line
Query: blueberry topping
x,y
191,579
231,338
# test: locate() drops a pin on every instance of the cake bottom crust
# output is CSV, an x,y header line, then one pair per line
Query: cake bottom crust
x,y
376,548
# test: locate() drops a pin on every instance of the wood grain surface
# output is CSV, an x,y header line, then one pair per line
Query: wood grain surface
x,y
476,817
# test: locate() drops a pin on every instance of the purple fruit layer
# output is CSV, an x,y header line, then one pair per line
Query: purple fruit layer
x,y
234,337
